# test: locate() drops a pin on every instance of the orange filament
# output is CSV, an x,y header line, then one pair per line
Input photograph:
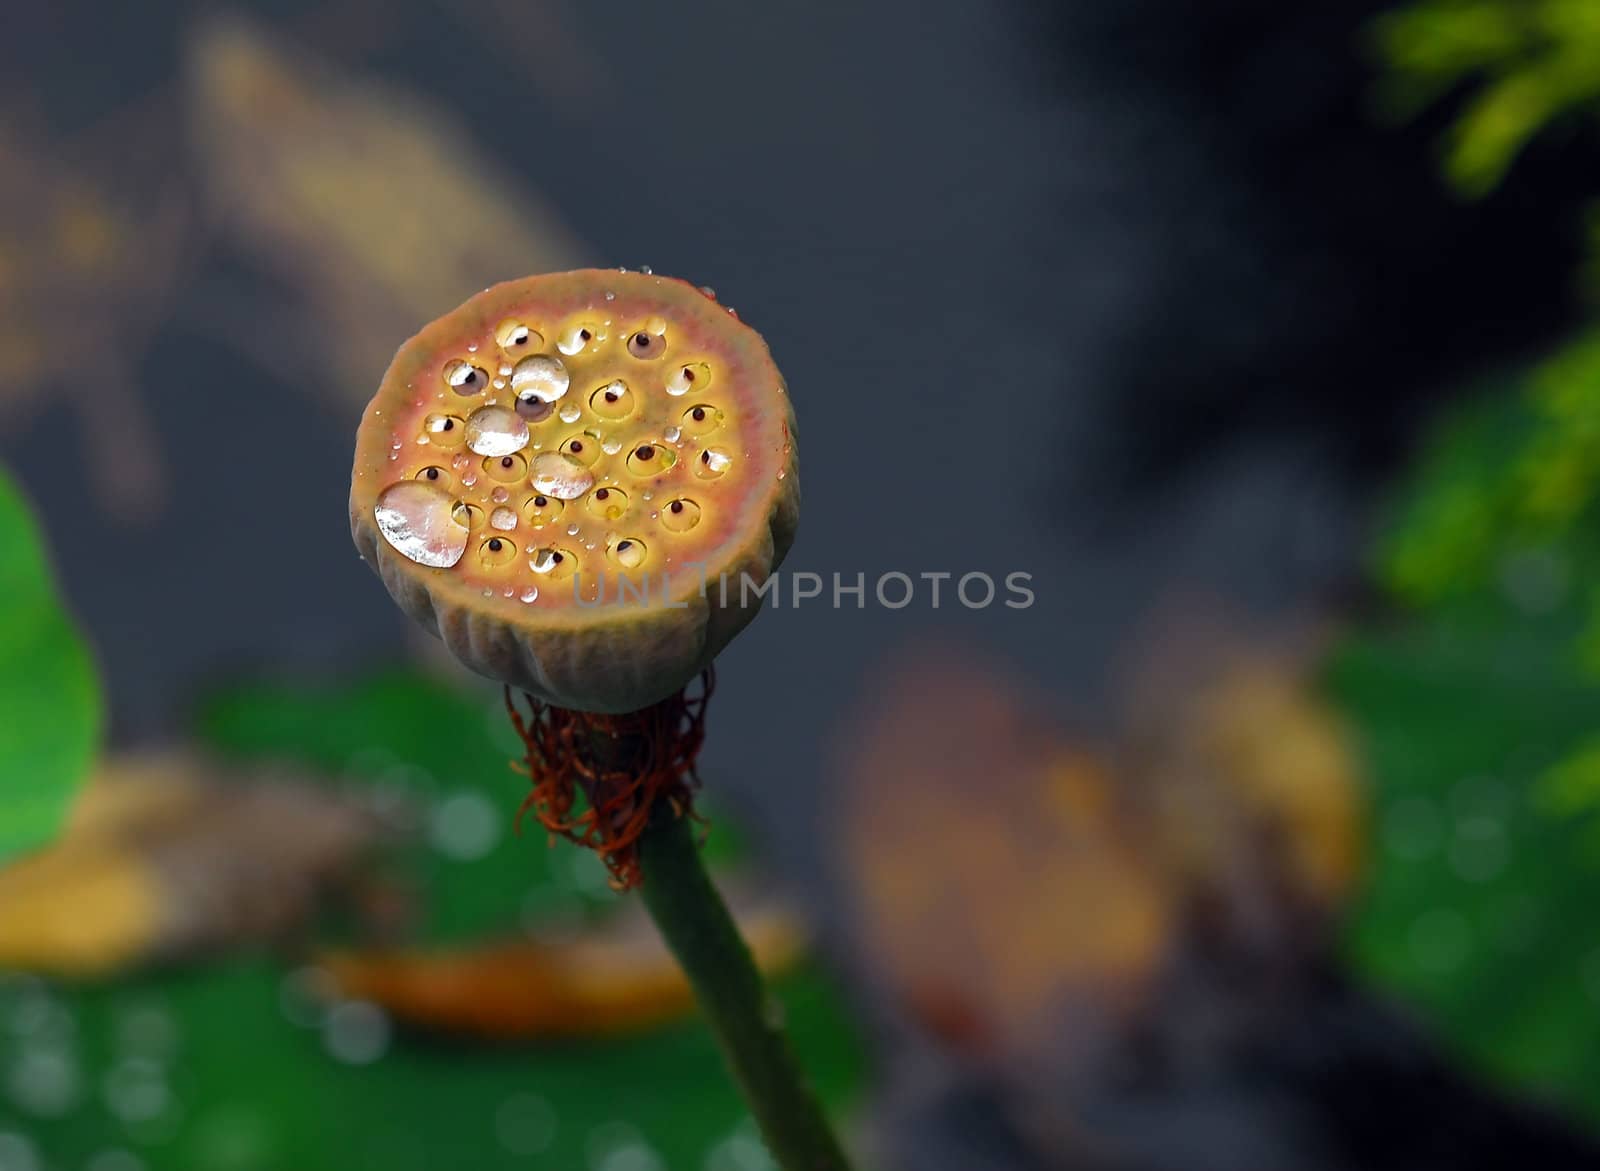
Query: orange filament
x,y
622,765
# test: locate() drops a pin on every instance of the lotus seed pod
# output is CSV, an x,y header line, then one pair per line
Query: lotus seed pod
x,y
569,478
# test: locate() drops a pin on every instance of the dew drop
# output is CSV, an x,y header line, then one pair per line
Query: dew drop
x,y
570,412
415,518
534,410
672,434
712,462
647,270
496,431
628,552
611,446
572,530
560,476
356,1033
531,594
541,377
465,378
503,518
686,378
500,495
610,296
575,340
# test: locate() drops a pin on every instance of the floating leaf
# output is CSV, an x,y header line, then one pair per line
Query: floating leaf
x,y
48,689
163,858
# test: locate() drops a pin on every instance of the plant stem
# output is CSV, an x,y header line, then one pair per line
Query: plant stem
x,y
696,924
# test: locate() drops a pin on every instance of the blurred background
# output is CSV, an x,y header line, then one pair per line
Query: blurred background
x,y
1266,838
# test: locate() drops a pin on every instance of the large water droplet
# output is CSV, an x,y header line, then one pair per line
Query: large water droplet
x,y
686,378
713,461
560,476
356,1033
570,412
503,518
496,431
415,517
541,377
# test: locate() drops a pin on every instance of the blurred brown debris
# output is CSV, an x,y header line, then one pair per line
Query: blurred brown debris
x,y
1020,884
596,980
375,211
94,235
167,856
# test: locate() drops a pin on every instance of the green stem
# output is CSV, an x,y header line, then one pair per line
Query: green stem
x,y
696,924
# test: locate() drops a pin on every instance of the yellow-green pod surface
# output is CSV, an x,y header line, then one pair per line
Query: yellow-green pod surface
x,y
569,477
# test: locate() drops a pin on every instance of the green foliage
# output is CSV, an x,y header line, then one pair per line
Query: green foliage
x,y
253,1090
1481,713
1504,486
1526,64
1479,914
49,695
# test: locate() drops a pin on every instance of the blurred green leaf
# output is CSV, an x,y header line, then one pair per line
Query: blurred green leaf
x,y
1528,65
251,1080
49,696
1480,909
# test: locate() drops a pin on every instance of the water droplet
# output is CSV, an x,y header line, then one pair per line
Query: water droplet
x,y
531,594
611,446
517,338
465,826
608,503
469,477
576,339
17,1153
44,1078
650,458
572,530
553,562
701,419
570,412
561,476
695,375
672,434
680,515
472,347
499,383
415,518
465,378
525,1124
113,1159
505,370
356,1033
629,552
647,270
613,400
610,296
136,1090
541,377
534,411
647,345
504,519
500,495
496,431
713,462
